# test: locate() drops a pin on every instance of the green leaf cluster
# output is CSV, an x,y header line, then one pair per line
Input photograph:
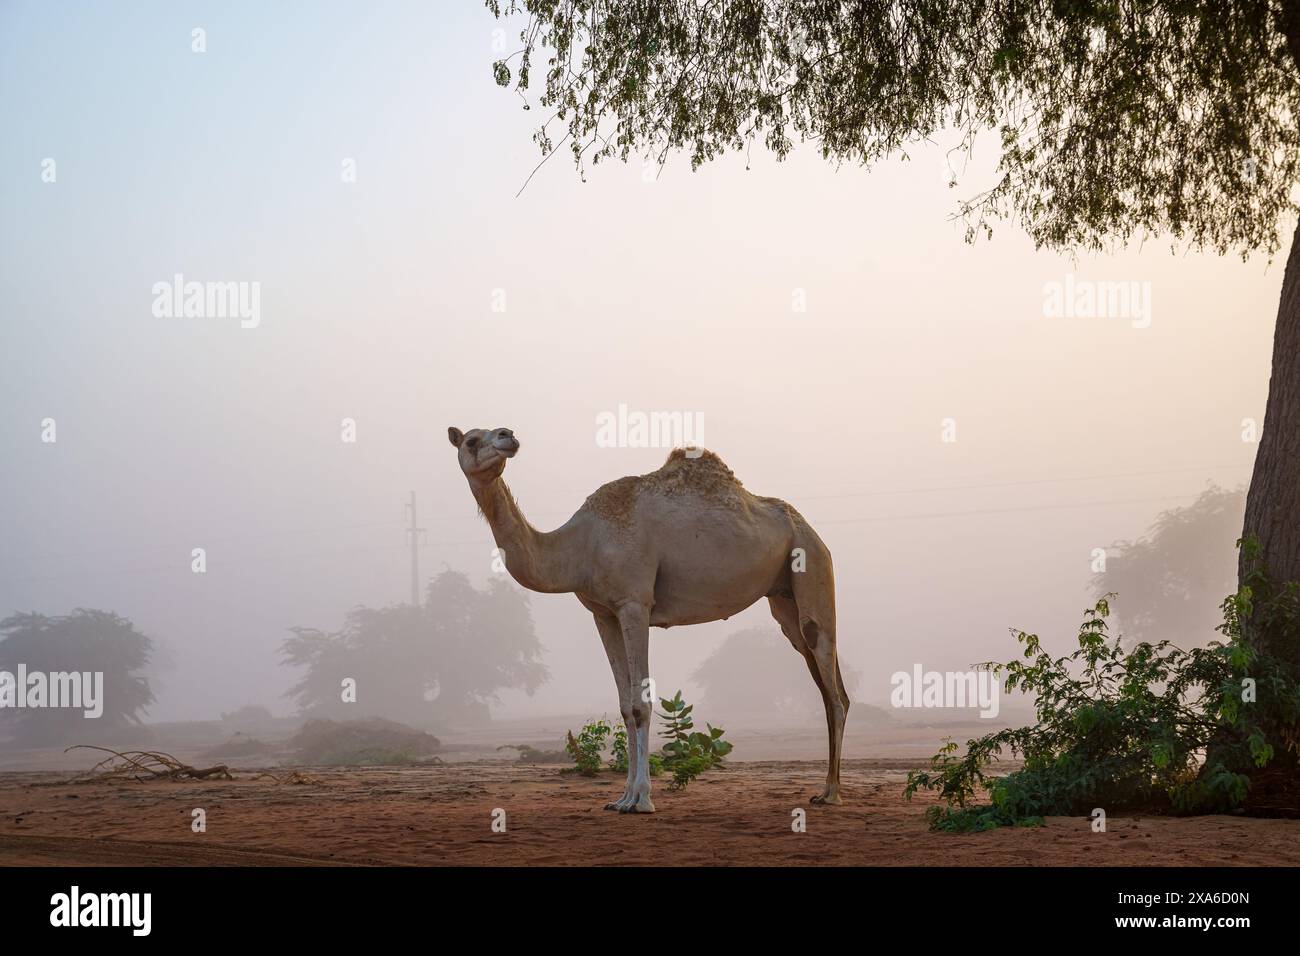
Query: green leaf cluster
x,y
1153,728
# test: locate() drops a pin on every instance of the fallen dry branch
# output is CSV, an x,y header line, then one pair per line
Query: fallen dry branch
x,y
293,777
143,765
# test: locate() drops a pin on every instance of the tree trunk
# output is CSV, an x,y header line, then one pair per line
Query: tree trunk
x,y
1273,503
1273,517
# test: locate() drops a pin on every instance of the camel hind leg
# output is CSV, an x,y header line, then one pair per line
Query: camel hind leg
x,y
810,627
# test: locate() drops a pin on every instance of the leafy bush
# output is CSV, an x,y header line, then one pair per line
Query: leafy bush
x,y
619,759
1258,703
1114,729
688,752
588,748
1155,727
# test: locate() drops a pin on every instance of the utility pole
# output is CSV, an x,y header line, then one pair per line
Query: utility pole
x,y
415,533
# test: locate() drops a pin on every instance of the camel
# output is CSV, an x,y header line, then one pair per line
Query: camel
x,y
686,544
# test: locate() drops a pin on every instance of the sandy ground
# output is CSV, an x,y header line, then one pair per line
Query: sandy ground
x,y
442,815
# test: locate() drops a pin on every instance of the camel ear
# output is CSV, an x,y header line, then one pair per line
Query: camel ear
x,y
456,436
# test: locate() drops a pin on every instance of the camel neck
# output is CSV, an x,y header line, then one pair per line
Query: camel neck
x,y
536,559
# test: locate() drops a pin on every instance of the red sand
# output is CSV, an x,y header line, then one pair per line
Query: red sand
x,y
442,815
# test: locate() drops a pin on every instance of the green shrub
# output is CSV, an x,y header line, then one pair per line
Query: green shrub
x,y
1155,727
618,760
1262,624
1115,729
688,752
588,748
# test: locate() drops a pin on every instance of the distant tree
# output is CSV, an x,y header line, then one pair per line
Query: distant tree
x,y
1112,121
1169,583
248,714
440,662
387,652
84,641
484,642
756,671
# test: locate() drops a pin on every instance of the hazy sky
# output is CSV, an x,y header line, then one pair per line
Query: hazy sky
x,y
674,293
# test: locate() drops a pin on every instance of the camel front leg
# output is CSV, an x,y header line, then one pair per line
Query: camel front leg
x,y
611,635
634,619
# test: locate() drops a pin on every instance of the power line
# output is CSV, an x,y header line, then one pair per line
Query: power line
x,y
995,511
262,536
1000,484
1129,474
1017,484
466,542
952,514
183,566
795,499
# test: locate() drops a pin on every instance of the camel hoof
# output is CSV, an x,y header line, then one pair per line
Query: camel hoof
x,y
828,800
642,805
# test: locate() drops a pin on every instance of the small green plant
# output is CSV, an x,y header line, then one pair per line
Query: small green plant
x,y
688,752
618,760
588,748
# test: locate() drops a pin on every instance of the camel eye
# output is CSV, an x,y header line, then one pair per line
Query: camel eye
x,y
472,444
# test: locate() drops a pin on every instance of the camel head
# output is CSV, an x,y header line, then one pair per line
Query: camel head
x,y
483,452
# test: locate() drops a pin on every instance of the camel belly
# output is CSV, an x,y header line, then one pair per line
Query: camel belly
x,y
681,609
720,578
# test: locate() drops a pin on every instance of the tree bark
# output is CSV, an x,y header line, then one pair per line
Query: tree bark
x,y
1273,502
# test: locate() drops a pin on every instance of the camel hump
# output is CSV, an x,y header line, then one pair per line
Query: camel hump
x,y
692,469
686,472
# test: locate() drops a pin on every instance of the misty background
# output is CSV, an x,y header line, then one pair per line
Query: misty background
x,y
663,290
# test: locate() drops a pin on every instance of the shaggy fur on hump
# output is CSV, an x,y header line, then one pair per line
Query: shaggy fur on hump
x,y
706,476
